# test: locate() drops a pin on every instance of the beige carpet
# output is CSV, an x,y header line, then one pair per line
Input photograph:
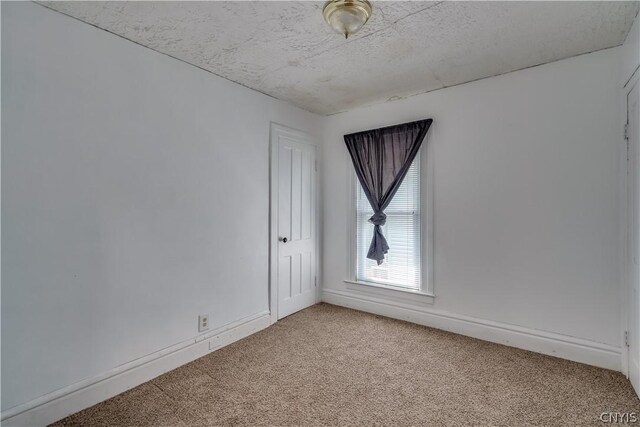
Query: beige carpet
x,y
333,366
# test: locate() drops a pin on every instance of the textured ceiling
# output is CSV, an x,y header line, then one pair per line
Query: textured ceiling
x,y
286,50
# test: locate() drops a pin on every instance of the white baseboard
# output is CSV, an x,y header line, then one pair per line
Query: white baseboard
x,y
634,367
66,401
558,345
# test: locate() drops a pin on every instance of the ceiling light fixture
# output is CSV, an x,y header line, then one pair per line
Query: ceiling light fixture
x,y
346,16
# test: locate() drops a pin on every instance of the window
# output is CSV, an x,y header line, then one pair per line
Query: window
x,y
401,267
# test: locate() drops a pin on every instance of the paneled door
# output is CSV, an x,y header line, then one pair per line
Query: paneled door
x,y
633,232
293,222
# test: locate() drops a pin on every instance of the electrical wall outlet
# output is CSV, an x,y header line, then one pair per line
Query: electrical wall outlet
x,y
203,322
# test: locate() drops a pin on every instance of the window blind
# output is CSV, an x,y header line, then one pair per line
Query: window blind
x,y
401,266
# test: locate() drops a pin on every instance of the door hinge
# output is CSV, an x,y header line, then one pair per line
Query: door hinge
x,y
626,338
316,165
626,131
315,281
626,138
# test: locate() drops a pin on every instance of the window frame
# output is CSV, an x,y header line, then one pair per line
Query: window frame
x,y
426,291
362,218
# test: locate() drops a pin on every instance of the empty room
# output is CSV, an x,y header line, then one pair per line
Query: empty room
x,y
320,213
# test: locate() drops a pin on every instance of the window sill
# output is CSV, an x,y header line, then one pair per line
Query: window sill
x,y
390,292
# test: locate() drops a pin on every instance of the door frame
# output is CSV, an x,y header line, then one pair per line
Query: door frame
x,y
625,224
277,130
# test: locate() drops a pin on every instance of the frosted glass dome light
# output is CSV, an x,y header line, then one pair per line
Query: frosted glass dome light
x,y
346,16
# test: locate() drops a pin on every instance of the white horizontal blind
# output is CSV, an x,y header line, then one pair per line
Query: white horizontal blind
x,y
401,266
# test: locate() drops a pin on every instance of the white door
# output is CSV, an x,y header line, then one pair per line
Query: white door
x,y
293,201
633,180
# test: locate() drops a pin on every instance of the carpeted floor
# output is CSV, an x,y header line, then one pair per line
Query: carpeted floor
x,y
328,365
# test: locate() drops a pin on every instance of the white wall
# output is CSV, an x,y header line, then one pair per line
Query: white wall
x,y
135,196
631,51
526,198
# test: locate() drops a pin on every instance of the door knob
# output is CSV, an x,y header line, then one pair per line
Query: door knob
x,y
283,239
